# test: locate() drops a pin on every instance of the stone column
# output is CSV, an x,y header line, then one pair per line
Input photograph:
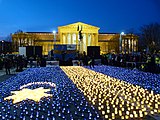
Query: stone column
x,y
61,39
77,42
86,40
135,48
96,39
92,40
136,45
124,45
128,45
66,38
132,45
71,38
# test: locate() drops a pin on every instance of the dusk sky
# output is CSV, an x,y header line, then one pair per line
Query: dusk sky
x,y
47,15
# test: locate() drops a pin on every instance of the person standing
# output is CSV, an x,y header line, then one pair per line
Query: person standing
x,y
7,64
92,62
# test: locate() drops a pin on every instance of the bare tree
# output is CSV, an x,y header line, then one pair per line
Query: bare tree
x,y
21,39
150,35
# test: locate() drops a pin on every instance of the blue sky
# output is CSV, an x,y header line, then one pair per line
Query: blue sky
x,y
47,15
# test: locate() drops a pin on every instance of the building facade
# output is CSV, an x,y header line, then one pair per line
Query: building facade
x,y
69,34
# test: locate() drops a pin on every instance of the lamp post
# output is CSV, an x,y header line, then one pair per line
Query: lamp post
x,y
120,42
2,46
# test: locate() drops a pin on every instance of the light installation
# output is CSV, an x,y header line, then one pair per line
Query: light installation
x,y
38,83
114,98
35,94
24,94
67,101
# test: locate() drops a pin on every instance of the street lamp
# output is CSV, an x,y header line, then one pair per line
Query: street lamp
x,y
2,46
54,33
120,42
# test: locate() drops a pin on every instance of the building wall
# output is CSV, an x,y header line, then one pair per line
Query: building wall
x,y
108,42
69,34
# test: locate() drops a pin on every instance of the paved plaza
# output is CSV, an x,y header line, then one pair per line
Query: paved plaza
x,y
80,93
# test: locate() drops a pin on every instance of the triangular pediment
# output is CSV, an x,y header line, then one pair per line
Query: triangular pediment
x,y
84,25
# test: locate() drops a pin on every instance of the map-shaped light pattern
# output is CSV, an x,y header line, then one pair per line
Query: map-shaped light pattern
x,y
24,94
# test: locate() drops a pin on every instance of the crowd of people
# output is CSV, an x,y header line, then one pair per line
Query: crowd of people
x,y
9,62
141,61
19,62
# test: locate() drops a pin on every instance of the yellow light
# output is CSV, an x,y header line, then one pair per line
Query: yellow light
x,y
127,112
103,112
108,111
145,113
106,116
102,106
152,112
122,117
131,115
111,93
156,106
155,111
135,115
126,116
140,115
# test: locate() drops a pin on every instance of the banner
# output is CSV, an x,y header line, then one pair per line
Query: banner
x,y
71,47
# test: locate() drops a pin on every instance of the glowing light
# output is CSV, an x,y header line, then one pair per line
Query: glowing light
x,y
38,83
54,32
122,33
109,93
35,94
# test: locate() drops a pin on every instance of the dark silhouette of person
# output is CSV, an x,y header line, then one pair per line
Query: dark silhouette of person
x,y
85,59
92,61
43,62
38,60
7,64
1,63
152,66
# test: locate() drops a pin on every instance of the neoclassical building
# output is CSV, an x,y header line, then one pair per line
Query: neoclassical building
x,y
69,34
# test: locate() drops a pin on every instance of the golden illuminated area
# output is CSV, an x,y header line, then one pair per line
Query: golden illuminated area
x,y
35,94
114,98
69,34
